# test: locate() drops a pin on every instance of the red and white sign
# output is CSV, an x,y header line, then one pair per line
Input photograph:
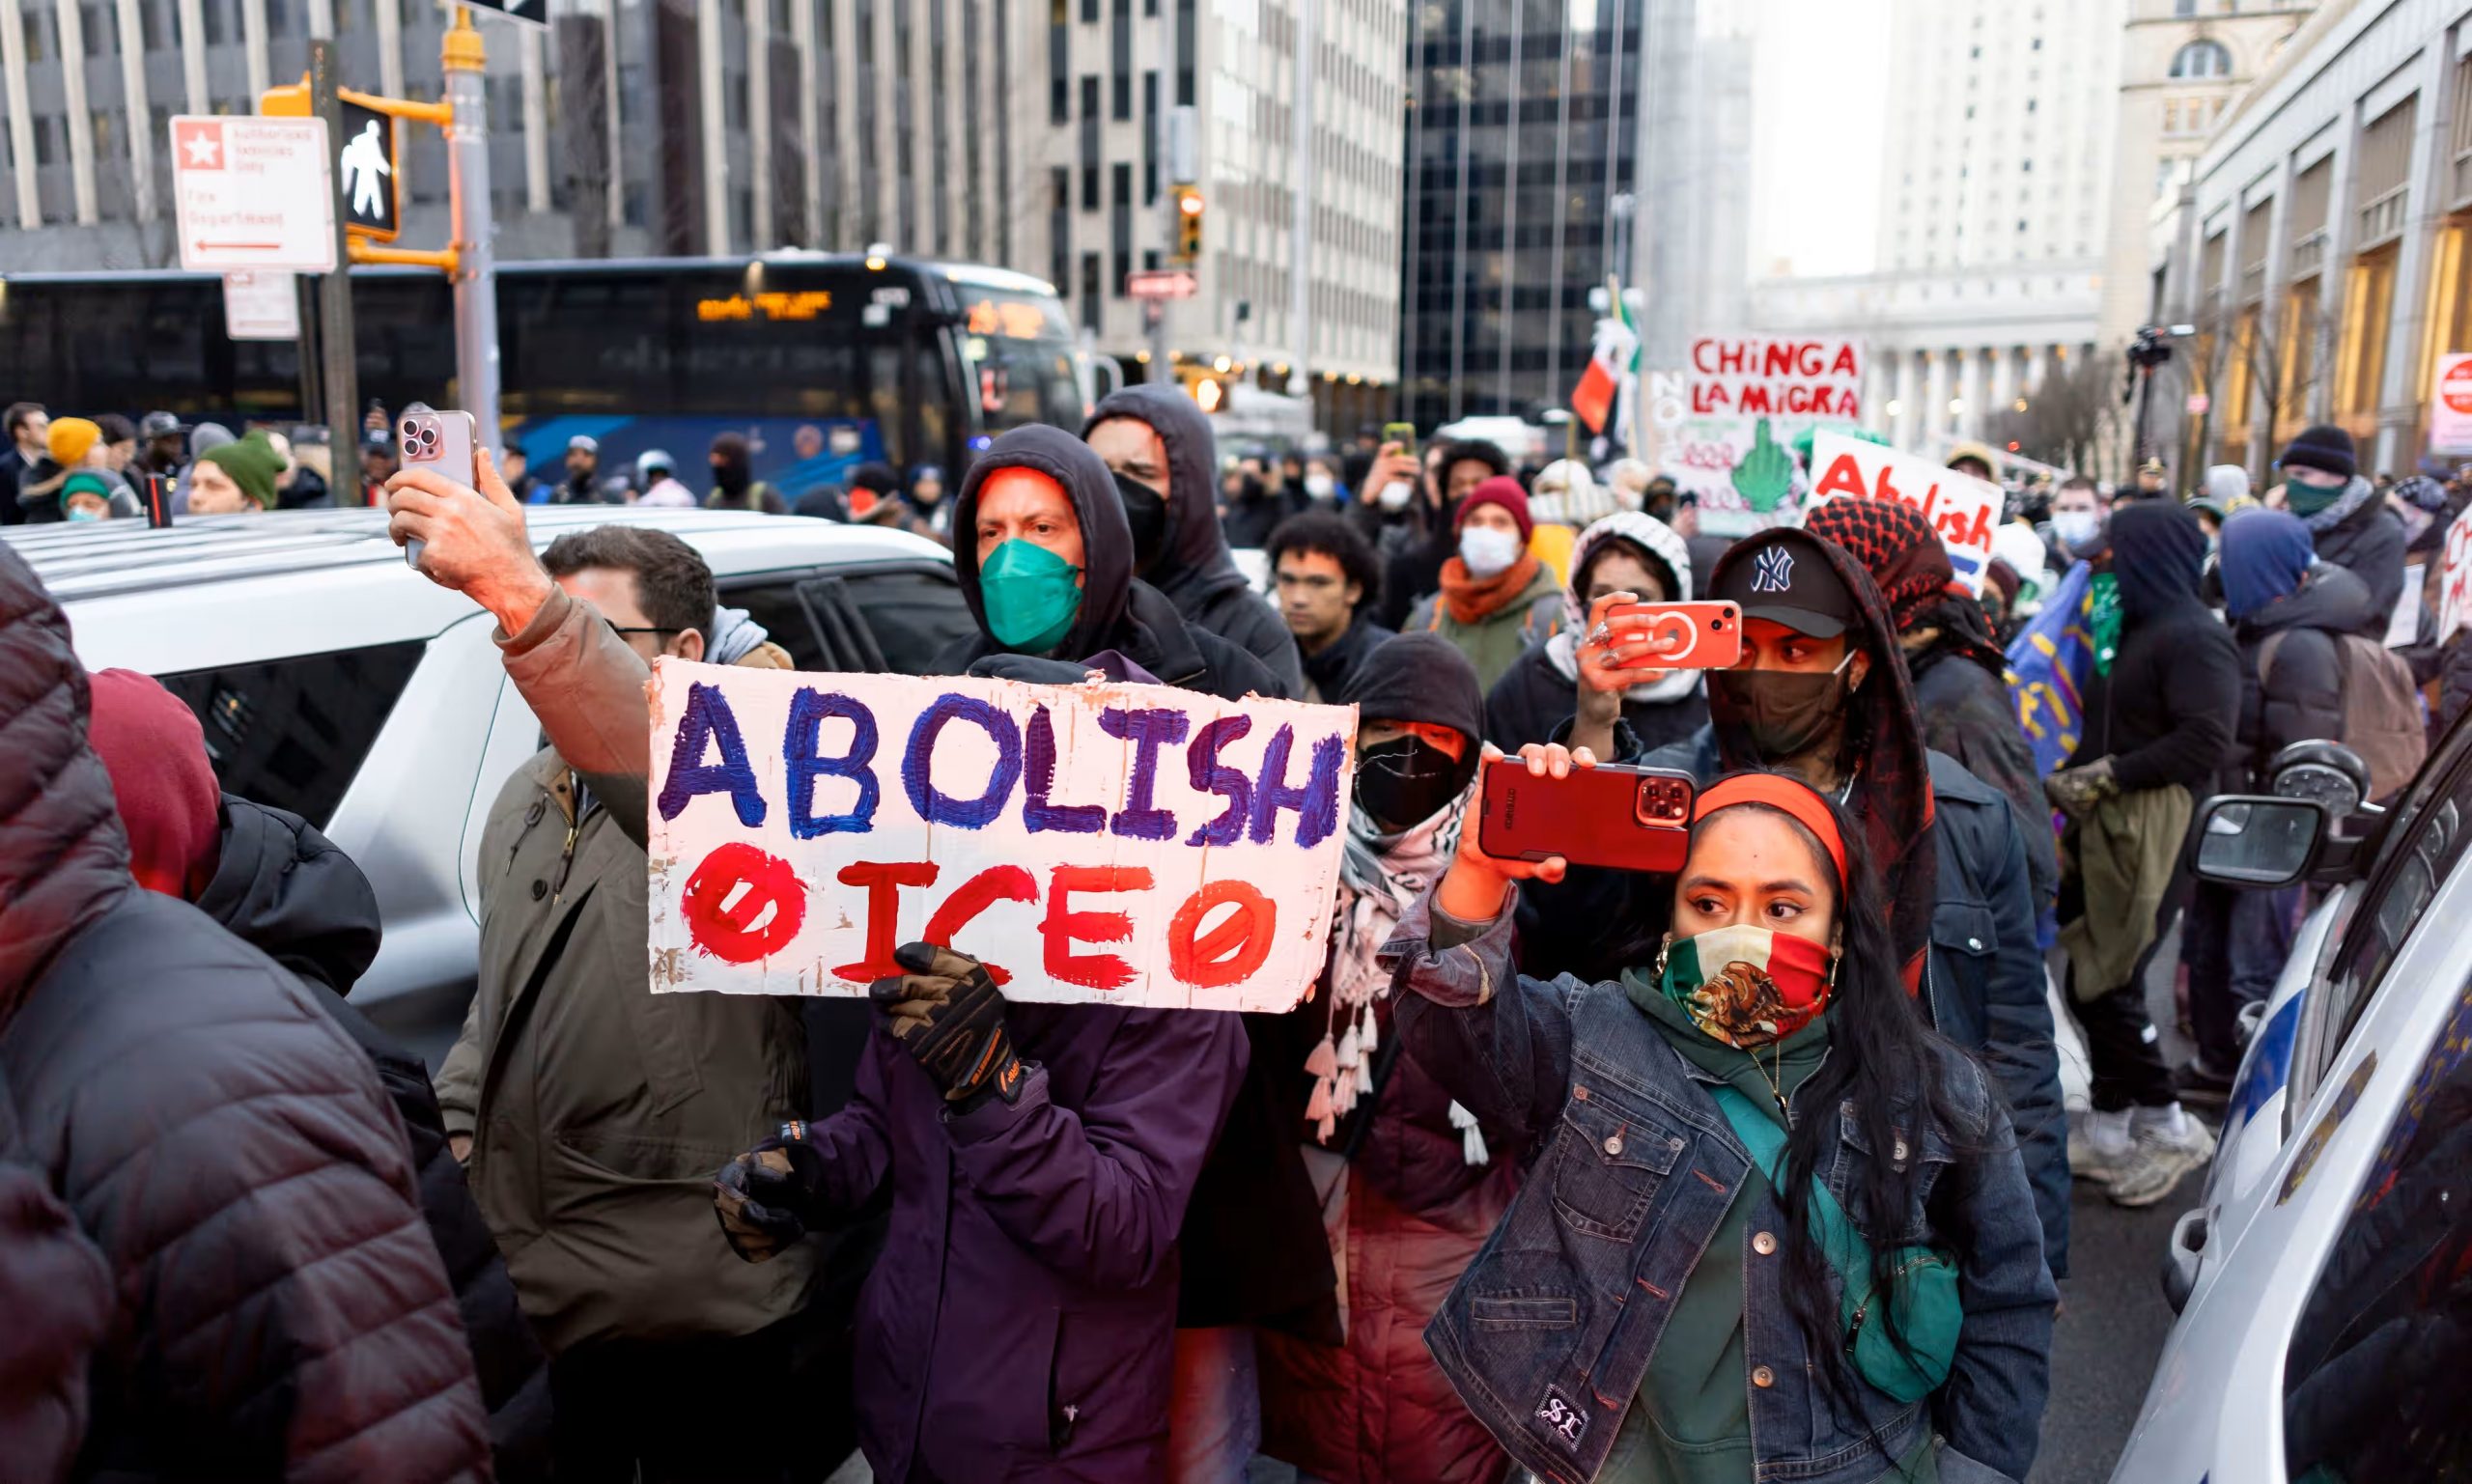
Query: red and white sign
x,y
1161,284
1092,844
1964,510
1732,384
2450,405
2455,592
253,194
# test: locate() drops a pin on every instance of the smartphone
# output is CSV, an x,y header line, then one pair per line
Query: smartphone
x,y
1711,633
1630,819
1402,434
441,441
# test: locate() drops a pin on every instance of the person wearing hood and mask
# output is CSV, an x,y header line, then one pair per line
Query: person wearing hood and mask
x,y
1823,693
1624,552
1497,598
1411,1183
735,485
1960,676
2158,728
2290,613
1407,510
276,883
1158,446
2349,524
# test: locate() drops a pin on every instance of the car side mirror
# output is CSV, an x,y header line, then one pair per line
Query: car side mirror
x,y
2257,841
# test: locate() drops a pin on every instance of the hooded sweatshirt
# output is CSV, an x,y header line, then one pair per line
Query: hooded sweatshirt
x,y
2273,586
1119,611
1540,691
734,483
2164,714
1193,567
2360,532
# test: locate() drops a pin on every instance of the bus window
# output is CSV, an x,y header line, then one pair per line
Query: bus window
x,y
934,402
1018,352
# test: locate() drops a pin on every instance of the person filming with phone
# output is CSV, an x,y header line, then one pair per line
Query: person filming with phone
x,y
1779,1227
1822,693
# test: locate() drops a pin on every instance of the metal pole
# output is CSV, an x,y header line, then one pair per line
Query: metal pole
x,y
2145,396
1155,311
476,275
1300,247
335,340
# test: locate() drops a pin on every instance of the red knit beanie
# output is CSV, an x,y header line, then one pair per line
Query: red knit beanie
x,y
169,802
1504,491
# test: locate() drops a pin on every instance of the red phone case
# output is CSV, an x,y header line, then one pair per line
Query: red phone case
x,y
1713,631
1631,819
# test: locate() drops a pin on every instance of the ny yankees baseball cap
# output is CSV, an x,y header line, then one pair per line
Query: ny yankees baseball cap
x,y
1779,577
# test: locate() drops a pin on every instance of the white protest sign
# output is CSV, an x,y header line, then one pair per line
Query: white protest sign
x,y
1101,843
260,306
2454,588
1746,398
1964,510
253,193
2450,405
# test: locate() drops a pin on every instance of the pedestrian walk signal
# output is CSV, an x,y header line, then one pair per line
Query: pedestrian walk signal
x,y
371,191
1188,223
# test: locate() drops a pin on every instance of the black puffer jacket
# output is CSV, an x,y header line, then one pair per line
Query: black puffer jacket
x,y
2302,696
287,890
280,1310
1193,567
2369,543
57,1295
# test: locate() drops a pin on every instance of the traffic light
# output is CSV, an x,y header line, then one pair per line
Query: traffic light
x,y
1188,223
1209,392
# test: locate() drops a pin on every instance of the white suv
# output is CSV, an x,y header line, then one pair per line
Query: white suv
x,y
333,680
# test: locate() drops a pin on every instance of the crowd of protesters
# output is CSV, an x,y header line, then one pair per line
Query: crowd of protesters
x,y
1756,1170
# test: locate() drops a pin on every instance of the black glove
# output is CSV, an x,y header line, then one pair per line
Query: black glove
x,y
765,1197
948,1014
1031,669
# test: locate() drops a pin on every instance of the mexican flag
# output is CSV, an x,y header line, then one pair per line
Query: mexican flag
x,y
1610,368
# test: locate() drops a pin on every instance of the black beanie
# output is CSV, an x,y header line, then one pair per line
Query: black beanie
x,y
1419,677
2323,447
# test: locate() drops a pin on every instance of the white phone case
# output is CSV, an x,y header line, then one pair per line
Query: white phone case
x,y
442,442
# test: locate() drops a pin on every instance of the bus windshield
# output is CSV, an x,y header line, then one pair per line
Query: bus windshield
x,y
1018,347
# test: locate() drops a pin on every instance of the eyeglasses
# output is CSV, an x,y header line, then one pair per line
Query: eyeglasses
x,y
622,630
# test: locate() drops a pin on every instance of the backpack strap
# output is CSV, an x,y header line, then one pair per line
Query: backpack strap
x,y
1848,1252
2267,649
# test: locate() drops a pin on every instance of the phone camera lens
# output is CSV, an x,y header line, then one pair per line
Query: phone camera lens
x,y
411,429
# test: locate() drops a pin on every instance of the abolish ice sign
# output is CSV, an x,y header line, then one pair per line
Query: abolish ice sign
x,y
1098,843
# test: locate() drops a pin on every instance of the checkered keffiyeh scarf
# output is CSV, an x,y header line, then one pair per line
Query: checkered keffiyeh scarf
x,y
1906,558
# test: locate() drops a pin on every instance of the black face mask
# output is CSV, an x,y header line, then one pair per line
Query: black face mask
x,y
1766,717
1406,781
1145,510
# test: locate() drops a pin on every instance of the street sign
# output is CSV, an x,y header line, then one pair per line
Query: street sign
x,y
536,12
2450,405
253,194
1161,284
369,188
260,306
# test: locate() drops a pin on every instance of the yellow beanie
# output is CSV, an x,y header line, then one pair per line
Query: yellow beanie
x,y
71,438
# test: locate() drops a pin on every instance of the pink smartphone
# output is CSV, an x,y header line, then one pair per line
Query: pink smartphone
x,y
1698,635
441,441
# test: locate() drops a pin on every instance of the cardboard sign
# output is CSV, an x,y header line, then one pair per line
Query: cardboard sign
x,y
2454,590
2450,405
1964,510
1099,843
1744,399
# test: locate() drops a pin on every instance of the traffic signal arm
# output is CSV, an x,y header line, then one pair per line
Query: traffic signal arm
x,y
290,100
442,259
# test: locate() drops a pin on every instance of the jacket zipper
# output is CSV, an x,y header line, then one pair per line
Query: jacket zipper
x,y
567,852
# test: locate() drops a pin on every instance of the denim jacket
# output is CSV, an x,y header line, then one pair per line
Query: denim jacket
x,y
1548,1333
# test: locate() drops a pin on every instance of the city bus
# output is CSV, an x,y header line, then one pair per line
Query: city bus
x,y
818,360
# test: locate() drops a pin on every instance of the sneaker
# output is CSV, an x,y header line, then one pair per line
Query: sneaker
x,y
2198,1083
2160,1157
2099,1145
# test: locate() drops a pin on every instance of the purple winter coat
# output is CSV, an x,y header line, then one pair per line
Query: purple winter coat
x,y
1020,1322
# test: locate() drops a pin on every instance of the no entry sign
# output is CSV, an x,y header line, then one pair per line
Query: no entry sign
x,y
253,194
2450,405
1134,844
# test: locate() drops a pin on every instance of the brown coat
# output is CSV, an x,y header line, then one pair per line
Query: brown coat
x,y
599,1111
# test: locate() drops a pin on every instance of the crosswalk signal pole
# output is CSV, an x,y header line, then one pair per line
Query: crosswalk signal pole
x,y
476,292
335,343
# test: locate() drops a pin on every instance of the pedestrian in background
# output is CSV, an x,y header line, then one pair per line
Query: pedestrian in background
x,y
582,483
1624,552
2349,523
1329,587
1495,599
119,445
29,433
236,477
1419,536
657,472
735,485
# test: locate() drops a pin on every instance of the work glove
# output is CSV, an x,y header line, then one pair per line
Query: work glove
x,y
948,1014
2076,791
766,1198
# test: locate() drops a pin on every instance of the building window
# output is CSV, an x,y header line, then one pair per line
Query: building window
x,y
1121,238
1150,138
1059,228
1090,142
1090,299
2202,59
1120,49
1060,59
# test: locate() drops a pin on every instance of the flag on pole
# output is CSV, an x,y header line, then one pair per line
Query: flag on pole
x,y
1611,365
2049,665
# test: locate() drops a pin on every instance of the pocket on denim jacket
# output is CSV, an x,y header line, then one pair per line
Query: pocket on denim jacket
x,y
1608,1163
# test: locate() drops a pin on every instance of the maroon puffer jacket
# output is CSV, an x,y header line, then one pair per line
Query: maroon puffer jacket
x,y
279,1310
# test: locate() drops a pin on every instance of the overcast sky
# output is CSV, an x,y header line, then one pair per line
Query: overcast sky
x,y
1820,99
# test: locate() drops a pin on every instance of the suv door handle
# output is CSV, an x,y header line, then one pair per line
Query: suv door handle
x,y
2183,1258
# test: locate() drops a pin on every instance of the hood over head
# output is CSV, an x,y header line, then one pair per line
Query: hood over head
x,y
1648,534
1107,540
2264,555
152,745
2158,551
731,469
1422,677
1884,737
1192,561
67,863
288,891
2227,483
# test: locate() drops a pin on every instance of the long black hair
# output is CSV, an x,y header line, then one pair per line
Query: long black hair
x,y
1893,1071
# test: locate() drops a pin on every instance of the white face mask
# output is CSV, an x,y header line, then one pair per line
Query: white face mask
x,y
1318,486
1397,494
1488,550
2077,528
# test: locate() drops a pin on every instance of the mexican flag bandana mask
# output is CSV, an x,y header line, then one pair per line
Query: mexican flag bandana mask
x,y
1745,985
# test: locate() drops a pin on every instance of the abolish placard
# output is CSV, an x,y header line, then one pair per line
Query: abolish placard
x,y
1964,510
1106,843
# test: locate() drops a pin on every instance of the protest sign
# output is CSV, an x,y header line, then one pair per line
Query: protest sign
x,y
2455,589
1964,510
1101,843
1743,400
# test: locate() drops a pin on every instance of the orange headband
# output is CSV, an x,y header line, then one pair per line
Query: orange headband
x,y
1778,792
